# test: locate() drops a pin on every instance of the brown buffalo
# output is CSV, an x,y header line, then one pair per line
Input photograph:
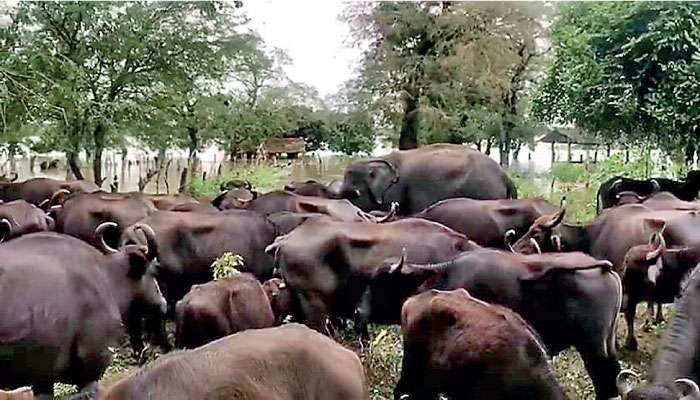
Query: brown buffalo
x,y
314,188
189,242
328,264
64,303
290,362
488,222
465,348
23,393
19,217
612,234
81,214
280,298
219,308
39,191
571,299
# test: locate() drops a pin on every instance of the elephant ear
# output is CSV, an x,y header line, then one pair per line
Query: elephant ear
x,y
381,175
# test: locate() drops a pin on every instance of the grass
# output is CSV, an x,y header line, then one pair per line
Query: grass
x,y
264,178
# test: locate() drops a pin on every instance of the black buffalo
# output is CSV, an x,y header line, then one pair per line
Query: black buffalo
x,y
609,190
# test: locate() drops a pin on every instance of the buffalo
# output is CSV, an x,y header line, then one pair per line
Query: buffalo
x,y
465,348
64,303
675,369
488,222
314,188
19,217
328,264
613,234
571,299
280,298
39,191
81,214
285,363
189,242
685,190
219,308
417,178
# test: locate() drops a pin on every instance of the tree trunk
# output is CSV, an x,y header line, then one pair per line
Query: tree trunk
x,y
74,164
478,145
408,138
504,146
554,153
11,153
489,144
193,146
689,154
99,139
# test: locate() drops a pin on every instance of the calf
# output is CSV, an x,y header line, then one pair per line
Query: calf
x,y
64,304
280,297
571,299
465,348
219,308
290,362
676,366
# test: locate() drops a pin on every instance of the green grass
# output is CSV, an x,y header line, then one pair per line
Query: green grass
x,y
264,178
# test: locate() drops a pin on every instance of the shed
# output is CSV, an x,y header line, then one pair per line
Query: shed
x,y
292,147
569,136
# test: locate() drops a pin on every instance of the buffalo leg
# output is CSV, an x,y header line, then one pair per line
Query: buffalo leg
x,y
155,326
659,313
630,313
603,370
414,384
135,330
314,312
362,314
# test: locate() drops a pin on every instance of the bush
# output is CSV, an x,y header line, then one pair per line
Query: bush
x,y
227,265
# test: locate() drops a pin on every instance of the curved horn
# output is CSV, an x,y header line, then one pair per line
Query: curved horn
x,y
399,265
655,186
50,222
435,268
58,194
14,178
391,214
615,184
536,245
693,393
557,217
624,387
6,229
508,239
100,234
556,242
660,247
150,239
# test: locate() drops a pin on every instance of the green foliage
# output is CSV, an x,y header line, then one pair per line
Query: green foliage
x,y
458,70
226,266
626,70
263,178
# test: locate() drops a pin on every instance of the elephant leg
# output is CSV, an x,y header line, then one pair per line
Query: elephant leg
x,y
630,313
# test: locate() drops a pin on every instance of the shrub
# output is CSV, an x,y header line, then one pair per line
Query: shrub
x,y
227,265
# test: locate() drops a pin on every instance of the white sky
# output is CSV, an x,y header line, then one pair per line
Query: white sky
x,y
311,34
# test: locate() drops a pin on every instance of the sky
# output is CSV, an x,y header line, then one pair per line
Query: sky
x,y
311,34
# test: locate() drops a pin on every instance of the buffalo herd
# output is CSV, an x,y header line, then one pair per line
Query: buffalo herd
x,y
486,287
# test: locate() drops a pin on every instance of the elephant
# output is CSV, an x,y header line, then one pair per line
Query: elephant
x,y
417,178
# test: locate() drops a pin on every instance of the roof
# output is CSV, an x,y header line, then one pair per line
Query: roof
x,y
566,135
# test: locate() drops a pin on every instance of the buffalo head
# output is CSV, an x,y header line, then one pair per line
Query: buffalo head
x,y
8,179
680,389
366,182
647,258
236,198
280,298
543,234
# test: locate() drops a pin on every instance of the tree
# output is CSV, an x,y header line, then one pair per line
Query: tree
x,y
448,64
92,60
626,70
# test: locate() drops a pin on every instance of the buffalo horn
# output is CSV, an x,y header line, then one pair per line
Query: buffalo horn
x,y
624,387
660,247
58,195
655,186
6,229
390,214
614,185
536,245
399,265
508,239
693,392
150,239
100,234
557,217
